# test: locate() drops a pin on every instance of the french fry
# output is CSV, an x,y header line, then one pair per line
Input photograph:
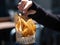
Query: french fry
x,y
27,28
25,23
27,32
31,23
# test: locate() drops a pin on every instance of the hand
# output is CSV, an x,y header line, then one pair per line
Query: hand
x,y
24,5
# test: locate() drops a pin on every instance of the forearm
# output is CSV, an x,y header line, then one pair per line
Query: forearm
x,y
42,17
6,25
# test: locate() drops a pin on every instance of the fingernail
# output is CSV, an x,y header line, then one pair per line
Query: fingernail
x,y
19,3
23,11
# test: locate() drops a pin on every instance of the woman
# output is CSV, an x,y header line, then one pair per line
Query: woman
x,y
39,14
36,12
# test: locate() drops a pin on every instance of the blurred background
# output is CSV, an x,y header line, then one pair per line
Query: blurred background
x,y
8,8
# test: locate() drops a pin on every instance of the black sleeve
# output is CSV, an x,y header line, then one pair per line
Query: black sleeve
x,y
42,17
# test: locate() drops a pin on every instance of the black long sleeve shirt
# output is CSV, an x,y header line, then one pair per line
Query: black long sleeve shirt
x,y
42,17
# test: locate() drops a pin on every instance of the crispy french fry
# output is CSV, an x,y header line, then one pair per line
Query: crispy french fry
x,y
24,22
27,32
26,27
31,24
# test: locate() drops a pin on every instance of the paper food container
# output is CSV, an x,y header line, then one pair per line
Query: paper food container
x,y
21,39
25,40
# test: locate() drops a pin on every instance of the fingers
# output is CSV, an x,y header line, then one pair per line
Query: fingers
x,y
21,5
24,5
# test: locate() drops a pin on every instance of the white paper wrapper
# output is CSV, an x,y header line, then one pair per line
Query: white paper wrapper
x,y
25,40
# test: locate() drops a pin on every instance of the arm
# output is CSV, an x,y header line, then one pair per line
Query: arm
x,y
6,25
48,20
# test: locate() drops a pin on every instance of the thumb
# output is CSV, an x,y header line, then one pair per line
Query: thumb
x,y
31,12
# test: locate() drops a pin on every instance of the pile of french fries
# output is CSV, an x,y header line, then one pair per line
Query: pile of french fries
x,y
27,28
